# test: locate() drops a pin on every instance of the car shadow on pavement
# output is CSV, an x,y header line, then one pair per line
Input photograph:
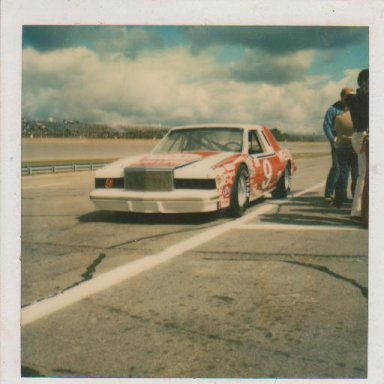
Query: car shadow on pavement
x,y
199,218
148,218
310,210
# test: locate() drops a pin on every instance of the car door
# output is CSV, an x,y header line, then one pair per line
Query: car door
x,y
264,161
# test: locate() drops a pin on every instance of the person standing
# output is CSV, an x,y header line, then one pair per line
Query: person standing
x,y
365,197
346,157
359,107
329,130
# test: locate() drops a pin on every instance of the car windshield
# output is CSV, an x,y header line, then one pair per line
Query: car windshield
x,y
202,139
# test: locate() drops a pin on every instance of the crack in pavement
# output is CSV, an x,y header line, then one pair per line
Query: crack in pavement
x,y
87,275
50,243
119,244
30,372
91,269
159,235
67,372
27,371
172,326
321,268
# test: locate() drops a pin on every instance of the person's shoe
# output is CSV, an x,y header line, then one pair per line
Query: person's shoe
x,y
335,205
328,201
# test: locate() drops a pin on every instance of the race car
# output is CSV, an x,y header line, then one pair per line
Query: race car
x,y
198,168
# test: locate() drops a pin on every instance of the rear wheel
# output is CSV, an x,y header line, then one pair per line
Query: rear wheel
x,y
240,193
283,185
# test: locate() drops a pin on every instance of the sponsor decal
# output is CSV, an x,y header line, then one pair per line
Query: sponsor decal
x,y
224,203
268,172
282,155
226,191
167,161
251,165
229,167
256,162
109,183
228,161
224,175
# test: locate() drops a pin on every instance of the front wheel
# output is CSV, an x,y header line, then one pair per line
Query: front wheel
x,y
240,193
283,185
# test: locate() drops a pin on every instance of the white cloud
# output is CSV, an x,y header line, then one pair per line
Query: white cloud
x,y
259,66
171,87
120,42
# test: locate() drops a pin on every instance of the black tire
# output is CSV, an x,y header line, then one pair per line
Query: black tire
x,y
240,193
283,185
121,216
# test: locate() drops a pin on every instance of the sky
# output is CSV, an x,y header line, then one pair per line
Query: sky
x,y
282,77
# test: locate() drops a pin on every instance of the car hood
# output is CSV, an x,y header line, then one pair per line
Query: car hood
x,y
185,164
171,160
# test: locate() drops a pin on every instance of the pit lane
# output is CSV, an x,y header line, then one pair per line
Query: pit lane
x,y
254,301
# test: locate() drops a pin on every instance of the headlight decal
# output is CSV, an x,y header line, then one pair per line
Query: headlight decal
x,y
106,183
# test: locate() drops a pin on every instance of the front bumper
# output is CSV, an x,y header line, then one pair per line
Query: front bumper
x,y
185,201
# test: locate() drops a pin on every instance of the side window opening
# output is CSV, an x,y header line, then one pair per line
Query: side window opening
x,y
266,139
254,144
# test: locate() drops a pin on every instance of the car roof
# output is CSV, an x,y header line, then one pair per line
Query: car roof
x,y
217,125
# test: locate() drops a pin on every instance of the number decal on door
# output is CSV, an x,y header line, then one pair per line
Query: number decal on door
x,y
267,168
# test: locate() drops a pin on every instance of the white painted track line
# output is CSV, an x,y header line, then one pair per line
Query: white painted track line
x,y
115,276
310,189
294,227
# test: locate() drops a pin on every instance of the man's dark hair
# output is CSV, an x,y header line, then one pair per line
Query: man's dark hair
x,y
363,77
344,91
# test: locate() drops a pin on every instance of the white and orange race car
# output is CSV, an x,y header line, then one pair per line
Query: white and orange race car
x,y
198,168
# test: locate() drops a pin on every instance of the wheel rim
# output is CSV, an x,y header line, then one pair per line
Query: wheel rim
x,y
287,180
242,191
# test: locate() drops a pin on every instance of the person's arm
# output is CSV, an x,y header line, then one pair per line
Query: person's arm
x,y
328,125
339,130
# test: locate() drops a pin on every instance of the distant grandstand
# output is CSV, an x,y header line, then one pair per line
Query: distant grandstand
x,y
75,128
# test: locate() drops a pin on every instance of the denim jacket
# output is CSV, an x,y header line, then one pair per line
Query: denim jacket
x,y
329,120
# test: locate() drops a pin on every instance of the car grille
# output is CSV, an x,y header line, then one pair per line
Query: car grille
x,y
148,179
119,183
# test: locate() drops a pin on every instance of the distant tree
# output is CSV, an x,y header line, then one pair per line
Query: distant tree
x,y
279,135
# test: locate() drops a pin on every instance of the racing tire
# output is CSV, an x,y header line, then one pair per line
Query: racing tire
x,y
240,193
120,215
284,184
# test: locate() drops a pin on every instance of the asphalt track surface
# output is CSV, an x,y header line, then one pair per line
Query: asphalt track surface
x,y
281,292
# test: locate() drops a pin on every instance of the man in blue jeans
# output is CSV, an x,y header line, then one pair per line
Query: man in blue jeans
x,y
329,130
346,157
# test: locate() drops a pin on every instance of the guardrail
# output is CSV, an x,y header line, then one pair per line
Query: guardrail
x,y
56,168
